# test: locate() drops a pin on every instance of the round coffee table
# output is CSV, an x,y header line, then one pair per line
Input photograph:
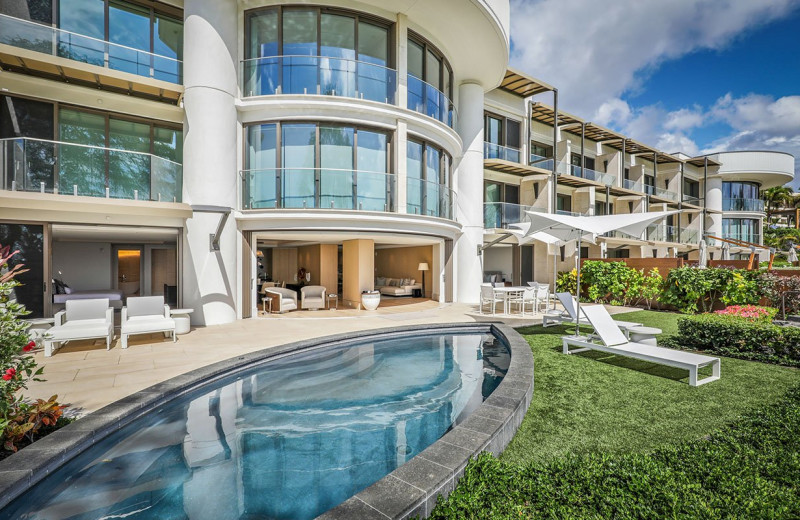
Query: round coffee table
x,y
646,335
182,320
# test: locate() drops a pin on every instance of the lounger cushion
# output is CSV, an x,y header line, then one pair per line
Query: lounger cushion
x,y
79,329
142,324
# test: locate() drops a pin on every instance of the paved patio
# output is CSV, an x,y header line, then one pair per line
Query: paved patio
x,y
87,376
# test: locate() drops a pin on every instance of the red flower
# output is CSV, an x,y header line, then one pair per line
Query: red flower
x,y
10,373
29,346
7,377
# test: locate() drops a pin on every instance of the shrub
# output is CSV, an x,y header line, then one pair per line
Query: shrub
x,y
567,281
750,312
27,420
738,337
651,287
772,287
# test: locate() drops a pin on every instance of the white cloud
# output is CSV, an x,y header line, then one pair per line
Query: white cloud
x,y
596,51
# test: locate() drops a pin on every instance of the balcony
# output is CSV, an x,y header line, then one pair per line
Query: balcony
x,y
501,214
694,201
586,173
753,205
36,165
430,198
650,190
319,75
672,234
322,188
545,163
504,153
743,236
430,101
45,39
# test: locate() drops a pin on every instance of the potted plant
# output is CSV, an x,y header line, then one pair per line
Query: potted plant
x,y
370,300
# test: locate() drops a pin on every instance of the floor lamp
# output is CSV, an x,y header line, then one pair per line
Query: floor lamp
x,y
423,266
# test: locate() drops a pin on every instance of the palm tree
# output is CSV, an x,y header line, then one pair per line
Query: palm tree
x,y
776,198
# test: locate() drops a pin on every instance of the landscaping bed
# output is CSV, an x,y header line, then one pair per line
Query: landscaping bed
x,y
614,437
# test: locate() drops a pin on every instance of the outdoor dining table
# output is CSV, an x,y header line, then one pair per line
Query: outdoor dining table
x,y
508,294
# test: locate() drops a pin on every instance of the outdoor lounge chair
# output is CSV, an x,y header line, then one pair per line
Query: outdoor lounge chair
x,y
569,314
312,297
614,342
82,319
283,299
145,315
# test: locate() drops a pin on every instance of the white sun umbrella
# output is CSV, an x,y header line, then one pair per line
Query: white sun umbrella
x,y
702,261
792,256
568,227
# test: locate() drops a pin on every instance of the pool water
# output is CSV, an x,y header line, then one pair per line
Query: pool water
x,y
289,439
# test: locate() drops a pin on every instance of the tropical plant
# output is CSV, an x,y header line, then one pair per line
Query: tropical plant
x,y
776,198
28,419
567,281
652,286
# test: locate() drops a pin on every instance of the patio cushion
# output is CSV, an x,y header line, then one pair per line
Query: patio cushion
x,y
145,306
94,309
79,329
140,324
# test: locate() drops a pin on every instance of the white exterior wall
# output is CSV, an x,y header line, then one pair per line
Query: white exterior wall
x,y
210,158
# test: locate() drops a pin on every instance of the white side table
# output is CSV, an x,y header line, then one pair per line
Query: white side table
x,y
335,299
38,326
182,320
646,335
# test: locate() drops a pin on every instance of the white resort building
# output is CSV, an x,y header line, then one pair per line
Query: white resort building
x,y
197,148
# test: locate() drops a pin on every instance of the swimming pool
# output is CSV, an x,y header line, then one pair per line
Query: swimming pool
x,y
289,438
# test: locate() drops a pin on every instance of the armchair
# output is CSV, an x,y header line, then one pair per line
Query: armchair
x,y
286,299
145,315
81,319
312,297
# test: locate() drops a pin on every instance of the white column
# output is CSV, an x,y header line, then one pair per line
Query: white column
x,y
469,185
401,165
401,52
210,157
713,223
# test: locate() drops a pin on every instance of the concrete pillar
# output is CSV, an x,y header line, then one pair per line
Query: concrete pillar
x,y
401,165
401,53
358,270
713,223
210,157
469,186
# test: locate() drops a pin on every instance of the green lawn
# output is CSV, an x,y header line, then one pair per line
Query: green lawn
x,y
596,402
609,437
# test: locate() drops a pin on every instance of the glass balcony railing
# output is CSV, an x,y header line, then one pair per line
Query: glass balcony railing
x,y
592,175
755,205
429,198
650,190
322,188
496,151
36,37
36,165
320,75
695,201
672,234
744,236
427,99
501,214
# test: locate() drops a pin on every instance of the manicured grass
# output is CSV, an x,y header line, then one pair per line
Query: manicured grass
x,y
609,437
598,403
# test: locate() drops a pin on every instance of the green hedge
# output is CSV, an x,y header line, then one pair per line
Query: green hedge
x,y
750,469
736,337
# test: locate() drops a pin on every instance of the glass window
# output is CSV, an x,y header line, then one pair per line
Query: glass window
x,y
374,185
166,170
32,10
262,76
84,17
129,171
168,48
745,229
29,241
494,130
373,44
336,167
513,133
82,166
415,61
21,117
337,40
299,41
298,154
414,174
375,81
129,26
261,181
433,70
433,173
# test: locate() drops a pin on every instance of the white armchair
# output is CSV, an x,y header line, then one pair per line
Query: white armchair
x,y
312,297
145,315
286,299
81,319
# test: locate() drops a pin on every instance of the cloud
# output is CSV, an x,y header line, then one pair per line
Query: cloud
x,y
595,51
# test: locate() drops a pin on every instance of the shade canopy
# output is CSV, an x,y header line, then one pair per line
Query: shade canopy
x,y
524,236
569,227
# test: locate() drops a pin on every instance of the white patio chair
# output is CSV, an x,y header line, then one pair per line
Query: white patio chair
x,y
489,296
529,297
81,319
542,295
312,297
286,299
145,315
613,341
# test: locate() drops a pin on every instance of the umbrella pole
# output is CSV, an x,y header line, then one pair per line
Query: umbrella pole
x,y
578,291
555,277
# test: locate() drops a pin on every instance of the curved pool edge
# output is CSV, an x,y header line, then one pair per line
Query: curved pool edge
x,y
410,490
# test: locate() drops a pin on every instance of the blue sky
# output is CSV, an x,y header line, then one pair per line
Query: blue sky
x,y
684,75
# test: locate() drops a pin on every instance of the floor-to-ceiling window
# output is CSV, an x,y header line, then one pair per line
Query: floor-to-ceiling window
x,y
428,180
21,118
741,196
744,229
502,138
320,166
430,79
28,240
308,50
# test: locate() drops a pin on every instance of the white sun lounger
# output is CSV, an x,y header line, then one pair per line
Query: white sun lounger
x,y
615,342
570,313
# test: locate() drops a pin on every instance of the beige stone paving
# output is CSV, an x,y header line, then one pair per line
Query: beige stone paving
x,y
87,376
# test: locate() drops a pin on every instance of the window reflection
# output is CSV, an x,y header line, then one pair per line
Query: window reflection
x,y
428,181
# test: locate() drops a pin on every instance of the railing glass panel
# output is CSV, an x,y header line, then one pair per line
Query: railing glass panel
x,y
427,99
321,75
502,214
36,37
755,205
429,198
37,165
592,175
496,151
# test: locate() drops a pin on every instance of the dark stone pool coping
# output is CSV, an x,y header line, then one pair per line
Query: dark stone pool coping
x,y
410,490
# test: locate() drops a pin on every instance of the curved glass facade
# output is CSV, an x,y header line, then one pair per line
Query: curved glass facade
x,y
301,50
428,181
430,81
311,165
745,229
741,196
